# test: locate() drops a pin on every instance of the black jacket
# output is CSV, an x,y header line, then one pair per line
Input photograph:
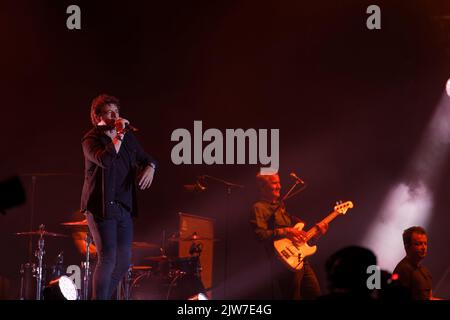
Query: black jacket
x,y
99,159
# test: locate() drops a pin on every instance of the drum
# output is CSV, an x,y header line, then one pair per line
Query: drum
x,y
151,287
28,278
28,273
147,286
184,287
55,272
186,265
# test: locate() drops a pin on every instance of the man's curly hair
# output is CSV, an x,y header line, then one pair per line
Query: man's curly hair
x,y
98,103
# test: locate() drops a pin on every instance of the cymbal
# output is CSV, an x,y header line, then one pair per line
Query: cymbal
x,y
39,232
157,258
192,238
141,268
144,245
75,223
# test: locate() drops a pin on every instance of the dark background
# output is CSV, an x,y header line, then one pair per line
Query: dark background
x,y
351,105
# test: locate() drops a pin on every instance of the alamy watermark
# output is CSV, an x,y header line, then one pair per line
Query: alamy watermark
x,y
74,273
373,22
228,148
374,280
74,20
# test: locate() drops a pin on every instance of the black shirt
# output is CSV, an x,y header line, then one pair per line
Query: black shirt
x,y
111,177
267,218
416,279
123,178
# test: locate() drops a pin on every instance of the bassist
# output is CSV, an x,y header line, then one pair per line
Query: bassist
x,y
271,221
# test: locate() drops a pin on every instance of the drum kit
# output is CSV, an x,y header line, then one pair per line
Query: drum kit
x,y
31,270
162,277
167,277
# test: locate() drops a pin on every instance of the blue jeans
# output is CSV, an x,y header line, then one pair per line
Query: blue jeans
x,y
113,237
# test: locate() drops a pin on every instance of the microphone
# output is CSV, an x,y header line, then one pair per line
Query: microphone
x,y
129,127
293,175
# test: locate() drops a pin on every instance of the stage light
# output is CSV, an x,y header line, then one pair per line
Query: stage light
x,y
410,201
200,296
447,87
405,206
62,288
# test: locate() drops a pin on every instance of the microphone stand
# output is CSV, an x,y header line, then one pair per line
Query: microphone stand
x,y
289,194
87,267
229,188
39,253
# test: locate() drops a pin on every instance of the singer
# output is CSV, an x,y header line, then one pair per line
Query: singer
x,y
271,221
113,158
